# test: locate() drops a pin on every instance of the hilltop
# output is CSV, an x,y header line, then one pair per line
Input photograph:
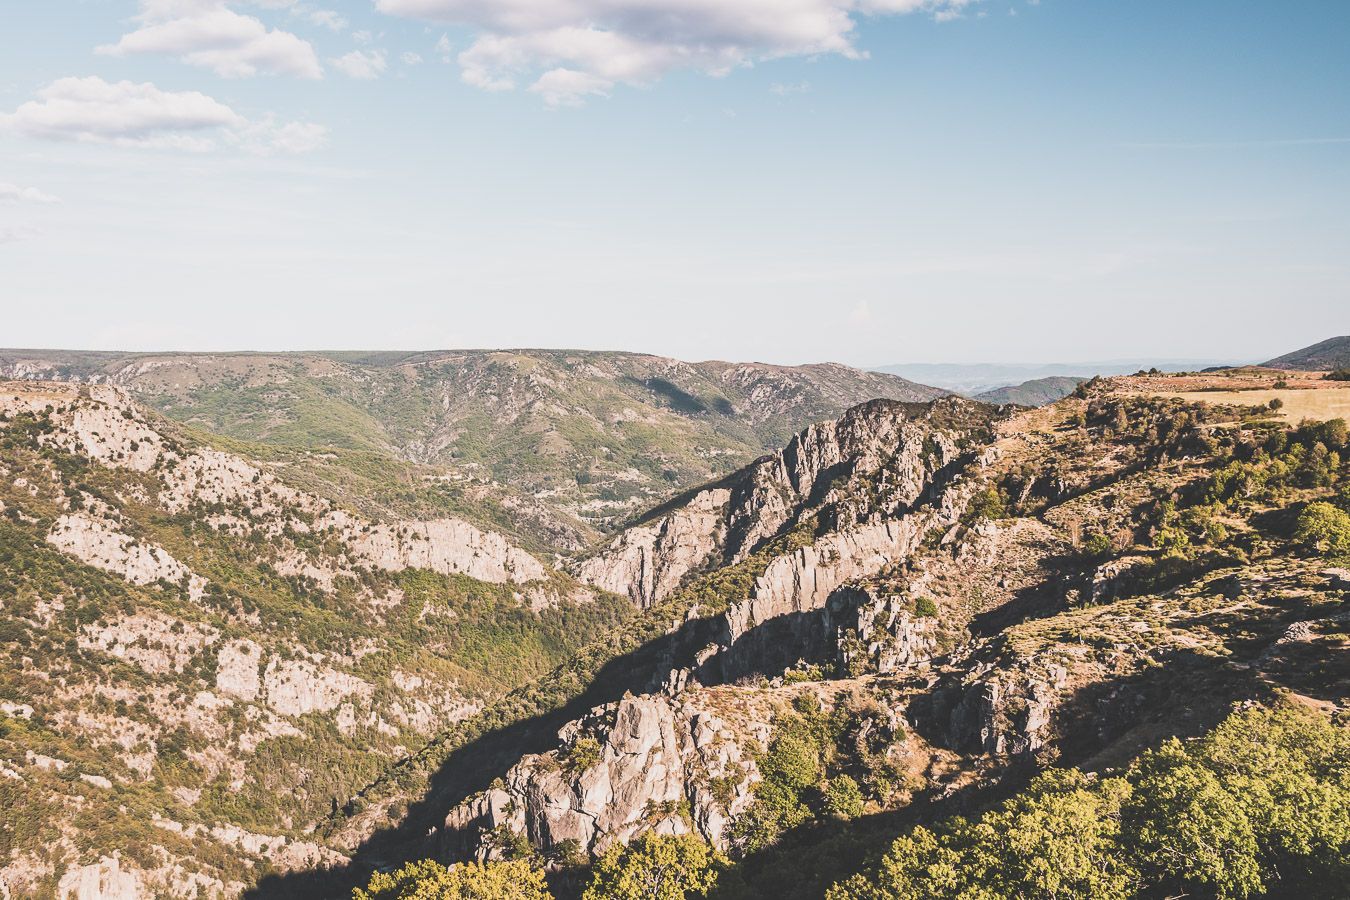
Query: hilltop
x,y
1333,353
1036,392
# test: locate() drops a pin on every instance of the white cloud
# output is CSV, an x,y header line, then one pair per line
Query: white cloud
x,y
568,87
270,138
783,90
328,19
15,194
127,114
361,64
207,33
565,50
411,59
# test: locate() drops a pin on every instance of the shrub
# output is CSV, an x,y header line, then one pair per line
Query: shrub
x,y
843,798
925,608
1339,375
1097,545
1275,403
990,503
584,754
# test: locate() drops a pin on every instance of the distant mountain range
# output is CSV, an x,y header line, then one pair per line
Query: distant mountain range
x,y
978,378
550,446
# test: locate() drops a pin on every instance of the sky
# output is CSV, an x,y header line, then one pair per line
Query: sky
x,y
865,181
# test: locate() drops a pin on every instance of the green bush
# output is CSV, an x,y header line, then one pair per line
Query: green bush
x,y
653,867
429,880
1097,545
1262,800
584,754
1323,529
843,798
925,608
989,503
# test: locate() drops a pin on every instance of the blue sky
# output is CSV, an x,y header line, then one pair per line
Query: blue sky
x,y
869,181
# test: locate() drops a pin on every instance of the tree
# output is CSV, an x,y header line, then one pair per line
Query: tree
x,y
1184,830
1323,529
656,867
429,880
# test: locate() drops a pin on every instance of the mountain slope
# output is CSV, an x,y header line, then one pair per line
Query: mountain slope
x,y
200,657
1333,353
1036,392
952,598
245,686
576,440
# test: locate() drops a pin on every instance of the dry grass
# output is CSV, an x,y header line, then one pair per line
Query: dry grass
x,y
1330,403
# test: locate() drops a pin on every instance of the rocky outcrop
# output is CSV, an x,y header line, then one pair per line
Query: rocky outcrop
x,y
871,465
103,880
99,543
237,670
881,633
156,643
647,562
449,546
296,687
649,763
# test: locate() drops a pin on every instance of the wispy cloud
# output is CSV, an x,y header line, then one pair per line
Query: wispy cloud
x,y
361,64
13,193
128,114
567,50
209,34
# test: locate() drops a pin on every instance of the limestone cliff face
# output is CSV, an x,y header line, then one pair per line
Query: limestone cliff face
x,y
102,423
669,765
647,562
98,542
869,466
889,478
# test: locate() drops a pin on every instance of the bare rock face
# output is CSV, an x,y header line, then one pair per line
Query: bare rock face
x,y
97,542
156,643
297,687
1004,709
662,765
884,635
647,562
449,546
237,670
103,880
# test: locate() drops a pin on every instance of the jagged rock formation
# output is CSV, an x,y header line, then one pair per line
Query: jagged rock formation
x,y
888,476
673,766
647,562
